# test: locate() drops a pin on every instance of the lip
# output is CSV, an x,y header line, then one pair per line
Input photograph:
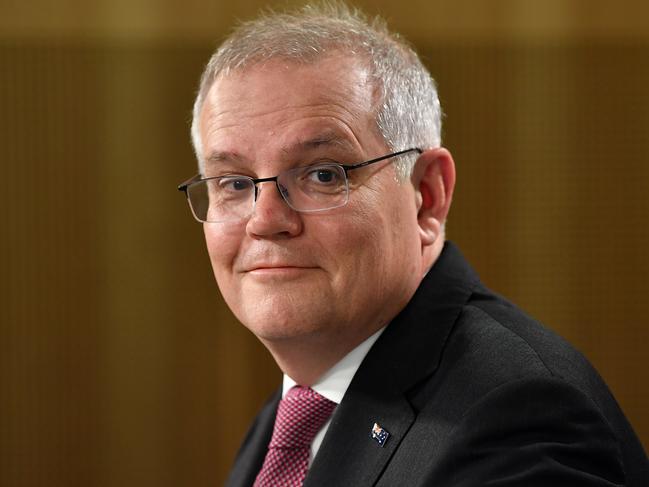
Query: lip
x,y
277,270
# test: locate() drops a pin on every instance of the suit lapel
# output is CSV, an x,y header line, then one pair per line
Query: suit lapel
x,y
382,391
349,456
253,450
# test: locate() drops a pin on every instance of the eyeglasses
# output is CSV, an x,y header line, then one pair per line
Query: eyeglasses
x,y
313,188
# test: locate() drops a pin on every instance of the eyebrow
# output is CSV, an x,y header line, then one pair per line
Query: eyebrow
x,y
223,156
326,139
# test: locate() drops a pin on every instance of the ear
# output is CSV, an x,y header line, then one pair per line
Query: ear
x,y
433,178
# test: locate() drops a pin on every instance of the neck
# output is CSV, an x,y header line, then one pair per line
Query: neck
x,y
305,360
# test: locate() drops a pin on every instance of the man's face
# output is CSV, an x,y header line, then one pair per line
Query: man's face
x,y
337,275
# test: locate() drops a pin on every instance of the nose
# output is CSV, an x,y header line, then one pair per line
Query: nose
x,y
272,216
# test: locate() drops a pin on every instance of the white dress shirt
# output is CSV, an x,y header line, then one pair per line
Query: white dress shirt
x,y
334,383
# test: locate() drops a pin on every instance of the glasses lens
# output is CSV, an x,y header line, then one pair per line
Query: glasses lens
x,y
314,188
221,199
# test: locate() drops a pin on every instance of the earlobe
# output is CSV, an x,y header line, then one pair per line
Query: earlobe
x,y
434,178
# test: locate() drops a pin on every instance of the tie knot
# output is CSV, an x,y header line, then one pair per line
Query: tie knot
x,y
300,415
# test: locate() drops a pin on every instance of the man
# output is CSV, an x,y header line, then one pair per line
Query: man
x,y
324,192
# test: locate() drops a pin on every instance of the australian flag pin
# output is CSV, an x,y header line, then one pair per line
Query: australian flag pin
x,y
380,435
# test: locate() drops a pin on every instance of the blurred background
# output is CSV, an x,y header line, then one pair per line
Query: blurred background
x,y
120,364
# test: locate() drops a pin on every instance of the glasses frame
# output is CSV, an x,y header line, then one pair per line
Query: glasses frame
x,y
255,181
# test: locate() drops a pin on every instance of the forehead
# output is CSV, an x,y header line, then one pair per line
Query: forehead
x,y
280,102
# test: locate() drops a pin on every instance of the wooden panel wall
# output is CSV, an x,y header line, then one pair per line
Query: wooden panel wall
x,y
119,363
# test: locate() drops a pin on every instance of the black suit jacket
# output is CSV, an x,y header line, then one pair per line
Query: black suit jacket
x,y
472,392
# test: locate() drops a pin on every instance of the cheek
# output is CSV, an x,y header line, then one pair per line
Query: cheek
x,y
392,241
223,243
359,240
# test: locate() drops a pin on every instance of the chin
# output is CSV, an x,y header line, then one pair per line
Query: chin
x,y
273,332
271,324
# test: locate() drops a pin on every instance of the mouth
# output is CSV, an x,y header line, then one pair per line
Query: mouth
x,y
278,270
277,267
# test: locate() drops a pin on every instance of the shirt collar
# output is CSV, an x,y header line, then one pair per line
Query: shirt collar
x,y
333,383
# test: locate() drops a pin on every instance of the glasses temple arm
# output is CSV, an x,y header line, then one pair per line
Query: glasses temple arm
x,y
193,179
348,167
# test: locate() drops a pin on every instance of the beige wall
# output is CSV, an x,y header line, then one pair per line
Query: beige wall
x,y
518,20
120,365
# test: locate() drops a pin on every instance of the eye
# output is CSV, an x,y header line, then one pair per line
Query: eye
x,y
325,175
234,183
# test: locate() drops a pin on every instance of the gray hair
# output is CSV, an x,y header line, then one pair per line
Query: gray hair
x,y
409,112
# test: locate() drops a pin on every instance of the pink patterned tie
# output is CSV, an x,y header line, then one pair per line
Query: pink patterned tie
x,y
300,415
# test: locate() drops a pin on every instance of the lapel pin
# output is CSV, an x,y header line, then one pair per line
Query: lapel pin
x,y
380,435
